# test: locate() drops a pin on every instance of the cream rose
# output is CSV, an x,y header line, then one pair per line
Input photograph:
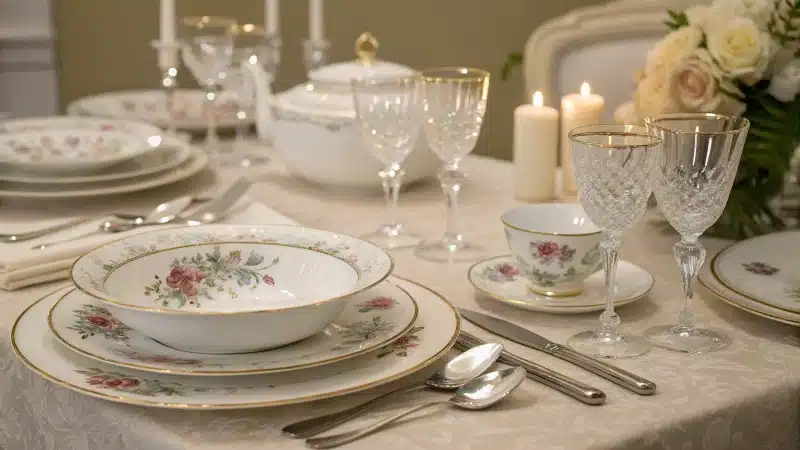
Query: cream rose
x,y
673,48
694,86
653,95
759,11
705,17
740,49
785,84
626,114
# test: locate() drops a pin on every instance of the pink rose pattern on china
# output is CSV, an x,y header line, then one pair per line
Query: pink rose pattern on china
x,y
501,273
377,303
205,276
93,320
148,387
760,268
548,252
401,346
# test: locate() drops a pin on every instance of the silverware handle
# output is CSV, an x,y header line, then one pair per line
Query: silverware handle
x,y
550,378
345,438
574,388
316,425
610,372
22,237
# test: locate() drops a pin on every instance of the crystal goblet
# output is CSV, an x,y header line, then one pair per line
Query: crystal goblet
x,y
693,177
613,165
454,103
389,114
207,51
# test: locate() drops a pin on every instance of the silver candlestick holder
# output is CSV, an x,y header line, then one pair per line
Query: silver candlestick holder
x,y
315,53
168,62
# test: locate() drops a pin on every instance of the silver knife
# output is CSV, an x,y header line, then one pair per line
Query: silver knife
x,y
530,339
218,207
575,389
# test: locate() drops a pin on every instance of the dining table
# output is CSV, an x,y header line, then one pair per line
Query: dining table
x,y
744,397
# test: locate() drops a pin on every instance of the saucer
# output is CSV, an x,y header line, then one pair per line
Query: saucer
x,y
500,278
371,319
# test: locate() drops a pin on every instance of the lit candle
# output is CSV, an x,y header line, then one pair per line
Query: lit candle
x,y
271,14
167,56
315,20
535,150
577,110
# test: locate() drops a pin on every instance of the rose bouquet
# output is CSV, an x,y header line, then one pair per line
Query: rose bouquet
x,y
736,57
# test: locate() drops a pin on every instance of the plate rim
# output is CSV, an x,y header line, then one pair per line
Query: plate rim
x,y
718,278
206,373
551,309
721,296
183,406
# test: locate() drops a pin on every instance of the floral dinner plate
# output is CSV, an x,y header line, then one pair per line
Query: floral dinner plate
x,y
763,269
371,319
501,279
433,334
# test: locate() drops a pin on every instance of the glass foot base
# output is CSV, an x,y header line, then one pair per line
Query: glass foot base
x,y
441,251
687,340
611,346
392,236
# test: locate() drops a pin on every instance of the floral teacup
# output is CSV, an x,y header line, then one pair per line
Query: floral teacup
x,y
556,245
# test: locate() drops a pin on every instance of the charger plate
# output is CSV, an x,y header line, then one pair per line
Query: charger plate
x,y
433,334
371,319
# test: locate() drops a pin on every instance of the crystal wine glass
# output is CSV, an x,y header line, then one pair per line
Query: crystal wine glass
x,y
252,45
454,103
693,177
207,51
613,168
389,115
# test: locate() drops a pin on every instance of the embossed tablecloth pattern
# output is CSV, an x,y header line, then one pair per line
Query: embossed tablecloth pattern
x,y
746,397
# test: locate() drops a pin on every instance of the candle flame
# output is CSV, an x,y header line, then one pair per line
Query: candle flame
x,y
538,99
568,106
585,89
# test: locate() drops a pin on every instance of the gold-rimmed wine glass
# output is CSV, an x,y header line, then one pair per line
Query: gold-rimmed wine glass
x,y
453,106
207,51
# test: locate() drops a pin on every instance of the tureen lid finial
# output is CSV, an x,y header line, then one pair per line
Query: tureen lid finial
x,y
366,48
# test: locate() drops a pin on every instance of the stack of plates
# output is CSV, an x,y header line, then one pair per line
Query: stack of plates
x,y
759,275
213,278
151,106
66,157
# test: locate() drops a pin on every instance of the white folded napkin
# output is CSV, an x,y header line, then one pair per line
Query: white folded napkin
x,y
21,266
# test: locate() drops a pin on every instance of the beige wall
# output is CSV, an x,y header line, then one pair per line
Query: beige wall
x,y
103,44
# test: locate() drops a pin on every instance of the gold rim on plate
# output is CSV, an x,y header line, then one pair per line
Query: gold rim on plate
x,y
185,406
730,302
147,368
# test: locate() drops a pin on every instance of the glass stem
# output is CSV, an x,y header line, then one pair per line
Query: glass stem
x,y
690,255
609,319
169,84
392,179
241,128
212,139
451,179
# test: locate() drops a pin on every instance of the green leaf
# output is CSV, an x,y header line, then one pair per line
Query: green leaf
x,y
512,61
677,19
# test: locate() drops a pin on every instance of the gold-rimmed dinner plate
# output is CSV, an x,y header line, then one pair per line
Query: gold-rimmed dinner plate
x,y
433,334
763,269
372,319
501,279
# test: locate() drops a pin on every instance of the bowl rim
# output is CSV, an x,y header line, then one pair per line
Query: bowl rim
x,y
119,304
505,221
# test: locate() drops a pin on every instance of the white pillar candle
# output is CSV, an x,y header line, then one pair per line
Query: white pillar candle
x,y
167,56
315,20
271,16
535,150
577,110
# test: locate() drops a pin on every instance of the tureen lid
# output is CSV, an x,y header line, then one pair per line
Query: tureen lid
x,y
329,93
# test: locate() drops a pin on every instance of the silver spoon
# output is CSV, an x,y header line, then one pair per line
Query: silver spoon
x,y
161,214
480,393
455,374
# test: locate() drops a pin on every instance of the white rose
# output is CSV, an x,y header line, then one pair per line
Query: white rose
x,y
673,48
653,96
786,84
694,85
705,17
626,114
740,49
759,11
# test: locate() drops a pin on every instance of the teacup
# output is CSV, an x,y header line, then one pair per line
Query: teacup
x,y
556,246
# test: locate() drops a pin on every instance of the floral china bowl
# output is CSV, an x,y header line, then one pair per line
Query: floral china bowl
x,y
315,134
71,150
230,289
142,129
556,245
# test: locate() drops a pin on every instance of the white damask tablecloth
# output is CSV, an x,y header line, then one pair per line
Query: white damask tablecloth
x,y
745,397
